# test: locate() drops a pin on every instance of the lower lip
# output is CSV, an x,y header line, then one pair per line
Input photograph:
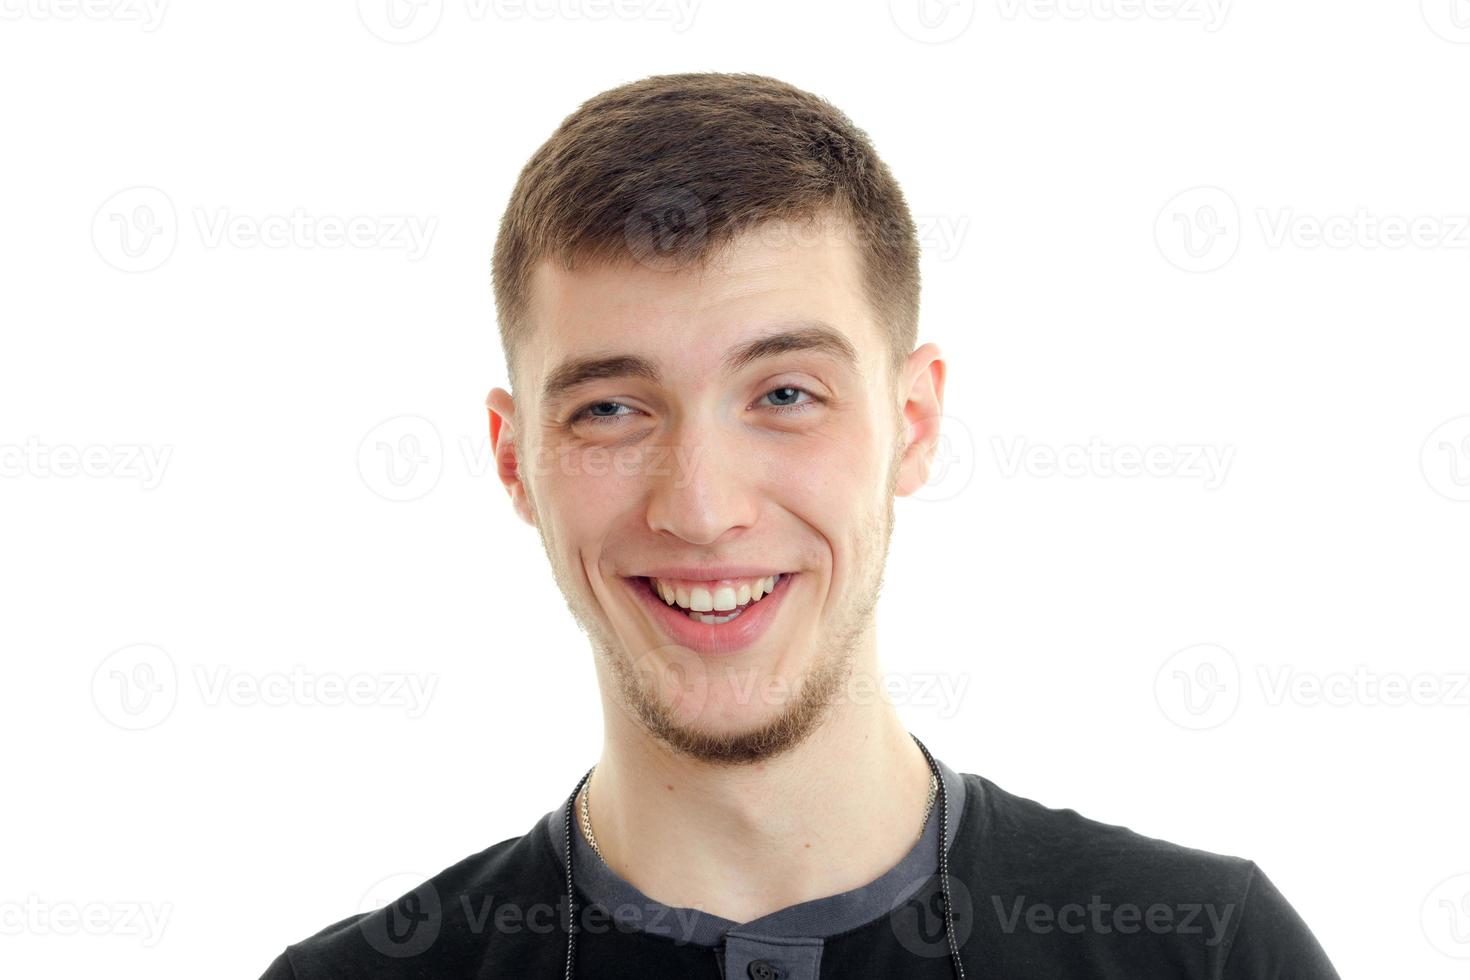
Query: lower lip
x,y
715,639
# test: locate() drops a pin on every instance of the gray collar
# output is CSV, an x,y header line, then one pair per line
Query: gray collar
x,y
819,918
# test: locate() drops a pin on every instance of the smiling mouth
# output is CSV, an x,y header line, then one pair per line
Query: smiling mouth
x,y
715,604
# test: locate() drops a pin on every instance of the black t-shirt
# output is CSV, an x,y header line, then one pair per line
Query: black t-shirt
x,y
1036,894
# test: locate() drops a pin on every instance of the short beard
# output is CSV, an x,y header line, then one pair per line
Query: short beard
x,y
817,690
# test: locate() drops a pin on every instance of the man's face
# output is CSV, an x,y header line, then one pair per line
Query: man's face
x,y
680,454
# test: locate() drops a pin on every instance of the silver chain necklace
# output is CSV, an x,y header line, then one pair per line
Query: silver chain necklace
x,y
936,786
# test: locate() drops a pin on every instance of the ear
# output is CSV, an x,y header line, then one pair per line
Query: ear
x,y
503,447
921,386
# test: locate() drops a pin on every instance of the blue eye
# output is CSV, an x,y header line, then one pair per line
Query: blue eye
x,y
790,391
586,414
603,412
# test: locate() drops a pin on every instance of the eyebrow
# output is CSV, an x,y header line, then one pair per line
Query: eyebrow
x,y
809,335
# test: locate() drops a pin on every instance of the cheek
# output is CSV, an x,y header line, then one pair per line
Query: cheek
x,y
586,490
827,477
835,472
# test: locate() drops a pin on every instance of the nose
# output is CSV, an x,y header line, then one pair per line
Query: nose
x,y
706,487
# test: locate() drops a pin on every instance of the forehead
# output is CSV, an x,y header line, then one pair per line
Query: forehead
x,y
768,277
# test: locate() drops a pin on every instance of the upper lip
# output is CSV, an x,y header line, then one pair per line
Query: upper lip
x,y
709,573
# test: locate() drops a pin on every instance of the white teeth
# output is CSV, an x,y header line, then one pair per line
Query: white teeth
x,y
713,620
722,598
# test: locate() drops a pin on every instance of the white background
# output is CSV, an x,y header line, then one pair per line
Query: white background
x,y
1119,205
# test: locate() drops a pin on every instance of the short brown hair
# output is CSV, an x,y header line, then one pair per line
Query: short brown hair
x,y
672,167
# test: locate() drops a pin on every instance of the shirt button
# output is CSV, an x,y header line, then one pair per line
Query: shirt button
x,y
764,970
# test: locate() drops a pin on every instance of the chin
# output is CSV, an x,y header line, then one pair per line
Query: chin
x,y
732,719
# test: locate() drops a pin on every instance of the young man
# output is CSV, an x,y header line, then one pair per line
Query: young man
x,y
707,288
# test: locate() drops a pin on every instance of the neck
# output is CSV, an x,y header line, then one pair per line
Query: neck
x,y
740,841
